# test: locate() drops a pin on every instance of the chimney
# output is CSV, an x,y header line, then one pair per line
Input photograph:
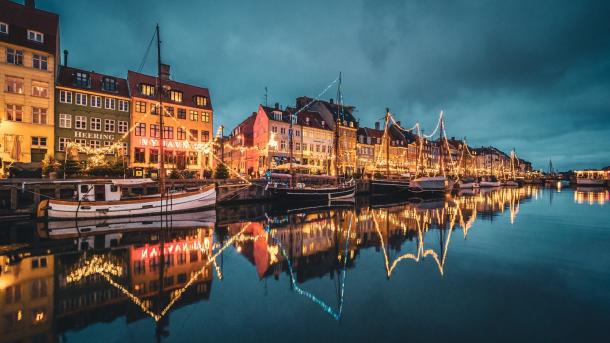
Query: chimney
x,y
277,105
65,58
323,123
376,125
30,3
165,71
332,101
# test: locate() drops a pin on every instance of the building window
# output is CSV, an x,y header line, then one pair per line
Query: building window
x,y
62,143
109,125
154,131
175,96
39,62
14,85
80,99
154,156
297,133
147,90
80,122
274,129
96,124
181,113
168,132
4,28
282,145
201,100
81,79
168,111
14,56
205,136
123,105
35,36
122,127
40,89
39,115
65,120
96,101
205,117
140,129
95,144
193,115
194,135
39,141
154,109
168,156
192,158
181,133
181,159
65,97
283,130
109,84
110,103
297,146
80,141
140,107
139,155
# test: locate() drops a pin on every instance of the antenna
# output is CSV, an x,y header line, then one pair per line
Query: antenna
x,y
266,97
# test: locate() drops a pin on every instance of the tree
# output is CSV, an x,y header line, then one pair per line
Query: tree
x,y
70,167
221,171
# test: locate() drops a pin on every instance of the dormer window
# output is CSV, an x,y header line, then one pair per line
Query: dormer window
x,y
147,90
175,96
277,116
3,28
199,100
35,36
109,84
82,79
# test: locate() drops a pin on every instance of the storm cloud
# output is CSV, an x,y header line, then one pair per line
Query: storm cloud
x,y
529,75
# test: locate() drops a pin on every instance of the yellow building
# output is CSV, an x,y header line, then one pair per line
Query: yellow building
x,y
316,144
29,44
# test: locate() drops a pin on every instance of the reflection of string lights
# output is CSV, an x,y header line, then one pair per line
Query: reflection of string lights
x,y
591,197
96,265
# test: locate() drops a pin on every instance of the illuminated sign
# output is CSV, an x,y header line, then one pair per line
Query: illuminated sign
x,y
90,135
153,251
173,144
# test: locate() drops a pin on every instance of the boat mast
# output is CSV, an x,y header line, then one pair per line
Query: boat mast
x,y
442,156
291,153
387,143
161,114
337,135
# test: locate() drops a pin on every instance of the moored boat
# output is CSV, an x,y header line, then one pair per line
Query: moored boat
x,y
304,193
592,178
489,181
467,183
432,185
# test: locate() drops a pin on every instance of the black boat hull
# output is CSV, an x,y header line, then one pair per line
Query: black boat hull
x,y
313,195
390,187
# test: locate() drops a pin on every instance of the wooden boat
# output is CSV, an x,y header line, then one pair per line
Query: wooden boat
x,y
467,183
104,199
591,178
489,181
430,185
511,183
304,193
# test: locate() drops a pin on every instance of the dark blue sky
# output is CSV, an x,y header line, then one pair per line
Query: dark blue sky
x,y
533,75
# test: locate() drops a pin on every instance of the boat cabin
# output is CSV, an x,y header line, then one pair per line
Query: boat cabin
x,y
104,190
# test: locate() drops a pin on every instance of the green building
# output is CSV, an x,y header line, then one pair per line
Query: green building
x,y
91,116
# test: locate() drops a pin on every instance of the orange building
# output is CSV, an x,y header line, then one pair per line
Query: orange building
x,y
187,125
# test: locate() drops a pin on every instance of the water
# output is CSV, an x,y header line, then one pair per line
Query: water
x,y
513,264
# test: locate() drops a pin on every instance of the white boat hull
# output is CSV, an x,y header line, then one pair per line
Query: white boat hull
x,y
590,182
430,184
176,202
484,184
468,185
511,184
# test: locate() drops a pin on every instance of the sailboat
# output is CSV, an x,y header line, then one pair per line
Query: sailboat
x,y
513,181
433,185
104,198
389,186
300,192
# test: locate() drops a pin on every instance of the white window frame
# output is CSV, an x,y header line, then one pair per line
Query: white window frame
x,y
41,59
61,143
122,126
42,85
81,96
110,101
39,140
80,122
80,141
123,105
109,125
96,101
38,115
95,144
65,121
3,28
95,124
36,36
14,80
65,96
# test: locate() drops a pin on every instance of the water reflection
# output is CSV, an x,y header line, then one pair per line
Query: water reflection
x,y
591,196
73,275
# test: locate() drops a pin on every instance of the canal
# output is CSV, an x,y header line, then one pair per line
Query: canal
x,y
505,265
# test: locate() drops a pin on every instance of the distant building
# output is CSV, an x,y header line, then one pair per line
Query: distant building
x,y
29,44
271,136
187,125
314,146
240,153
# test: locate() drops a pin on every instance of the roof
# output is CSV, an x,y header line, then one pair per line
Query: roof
x,y
346,111
188,91
20,18
312,119
395,134
285,114
66,77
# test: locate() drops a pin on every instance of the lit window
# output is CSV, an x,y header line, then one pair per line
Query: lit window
x,y
205,136
154,131
4,28
140,129
39,62
35,36
40,89
96,101
65,121
122,127
109,84
168,132
201,100
205,117
39,115
140,107
180,133
147,90
175,96
14,85
65,97
193,115
80,122
80,99
109,125
110,103
123,105
14,56
96,124
82,79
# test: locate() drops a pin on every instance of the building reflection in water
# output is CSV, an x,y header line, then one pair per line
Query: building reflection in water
x,y
591,196
58,285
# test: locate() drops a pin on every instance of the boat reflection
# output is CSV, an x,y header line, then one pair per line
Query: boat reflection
x,y
78,274
591,195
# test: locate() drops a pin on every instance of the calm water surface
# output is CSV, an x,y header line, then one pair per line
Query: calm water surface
x,y
522,264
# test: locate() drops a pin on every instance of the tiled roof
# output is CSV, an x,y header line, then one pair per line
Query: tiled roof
x,y
285,114
188,91
66,77
20,18
311,119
